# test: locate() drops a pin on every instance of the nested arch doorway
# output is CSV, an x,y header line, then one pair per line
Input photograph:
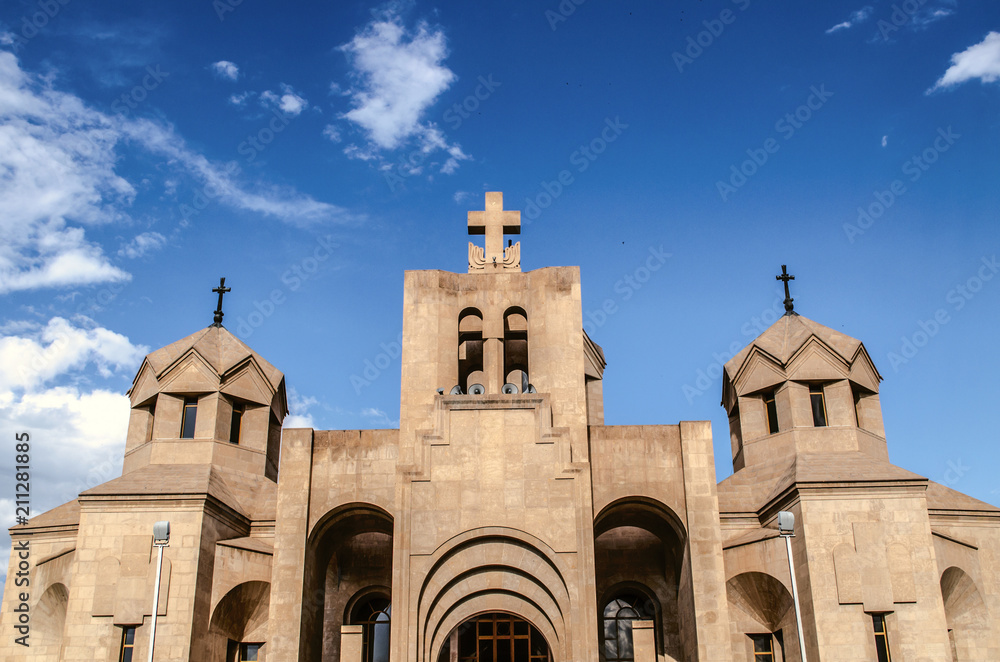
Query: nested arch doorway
x,y
495,637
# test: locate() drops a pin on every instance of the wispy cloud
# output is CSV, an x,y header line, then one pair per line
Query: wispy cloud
x,y
856,17
142,244
980,61
59,160
399,73
226,70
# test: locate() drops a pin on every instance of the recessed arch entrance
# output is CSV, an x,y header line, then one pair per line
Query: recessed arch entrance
x,y
495,637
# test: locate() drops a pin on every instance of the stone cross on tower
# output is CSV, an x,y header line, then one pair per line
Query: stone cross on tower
x,y
788,297
221,289
494,222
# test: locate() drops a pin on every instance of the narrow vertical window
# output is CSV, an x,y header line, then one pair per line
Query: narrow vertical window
x,y
763,648
818,401
188,418
152,419
881,638
772,412
128,644
250,652
236,426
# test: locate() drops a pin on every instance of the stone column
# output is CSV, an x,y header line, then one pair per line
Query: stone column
x,y
643,641
290,538
350,642
708,572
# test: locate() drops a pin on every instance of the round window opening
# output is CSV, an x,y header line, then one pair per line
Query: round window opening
x,y
495,637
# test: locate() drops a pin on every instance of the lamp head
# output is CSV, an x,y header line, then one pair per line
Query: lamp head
x,y
161,534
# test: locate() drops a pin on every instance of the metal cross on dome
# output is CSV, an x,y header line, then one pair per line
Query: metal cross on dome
x,y
788,297
221,289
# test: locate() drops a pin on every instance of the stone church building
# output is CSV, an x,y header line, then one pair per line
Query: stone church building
x,y
504,521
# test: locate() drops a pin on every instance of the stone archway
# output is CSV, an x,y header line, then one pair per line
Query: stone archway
x,y
967,615
49,620
349,555
639,548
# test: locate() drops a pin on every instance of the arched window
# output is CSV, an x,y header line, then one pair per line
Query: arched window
x,y
373,615
616,635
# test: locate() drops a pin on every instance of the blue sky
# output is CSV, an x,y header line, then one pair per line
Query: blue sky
x,y
311,153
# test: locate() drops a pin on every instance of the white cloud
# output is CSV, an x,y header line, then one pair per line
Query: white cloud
x,y
40,354
77,441
298,410
332,133
142,244
289,102
885,140
399,74
226,69
461,196
58,159
239,99
856,17
980,61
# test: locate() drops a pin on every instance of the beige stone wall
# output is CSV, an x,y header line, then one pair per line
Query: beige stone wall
x,y
863,528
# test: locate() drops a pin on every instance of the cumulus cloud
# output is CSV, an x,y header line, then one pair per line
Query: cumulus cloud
x,y
77,434
226,70
980,61
38,355
885,140
298,410
856,17
289,102
142,244
77,441
398,74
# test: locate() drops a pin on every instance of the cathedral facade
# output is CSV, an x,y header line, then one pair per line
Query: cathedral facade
x,y
504,521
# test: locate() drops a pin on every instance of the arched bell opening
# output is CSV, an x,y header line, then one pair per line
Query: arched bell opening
x,y
470,349
515,348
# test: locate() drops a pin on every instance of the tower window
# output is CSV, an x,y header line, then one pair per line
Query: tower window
x,y
189,417
250,652
818,401
763,647
881,638
128,644
772,412
236,426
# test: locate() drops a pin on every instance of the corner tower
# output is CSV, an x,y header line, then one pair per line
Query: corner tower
x,y
801,387
207,399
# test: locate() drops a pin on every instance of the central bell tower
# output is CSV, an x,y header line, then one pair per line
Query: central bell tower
x,y
493,447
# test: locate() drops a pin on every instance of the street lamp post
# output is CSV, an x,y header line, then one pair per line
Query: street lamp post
x,y
161,538
786,529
